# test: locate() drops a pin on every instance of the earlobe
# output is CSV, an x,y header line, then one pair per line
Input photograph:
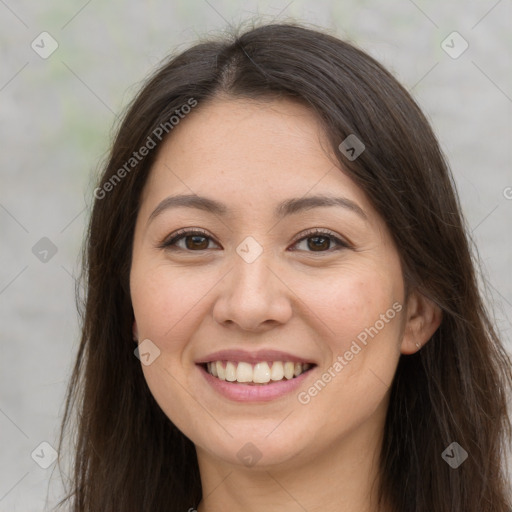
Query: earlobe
x,y
423,319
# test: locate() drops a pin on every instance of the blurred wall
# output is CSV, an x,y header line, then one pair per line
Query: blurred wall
x,y
60,93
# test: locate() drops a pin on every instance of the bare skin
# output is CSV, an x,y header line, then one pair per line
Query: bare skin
x,y
317,451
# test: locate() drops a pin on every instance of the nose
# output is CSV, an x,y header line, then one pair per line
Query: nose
x,y
253,296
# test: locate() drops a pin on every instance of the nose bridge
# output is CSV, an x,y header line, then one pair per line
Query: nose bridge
x,y
251,280
253,294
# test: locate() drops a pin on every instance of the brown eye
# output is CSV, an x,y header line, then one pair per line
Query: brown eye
x,y
196,242
193,241
320,241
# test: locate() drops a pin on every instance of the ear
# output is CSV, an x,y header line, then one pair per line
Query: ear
x,y
135,331
423,317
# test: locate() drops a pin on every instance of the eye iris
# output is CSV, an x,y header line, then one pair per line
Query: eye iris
x,y
193,245
315,246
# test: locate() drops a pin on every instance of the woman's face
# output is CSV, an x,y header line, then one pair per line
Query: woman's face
x,y
257,288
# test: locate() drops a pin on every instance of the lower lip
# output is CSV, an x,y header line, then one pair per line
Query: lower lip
x,y
257,393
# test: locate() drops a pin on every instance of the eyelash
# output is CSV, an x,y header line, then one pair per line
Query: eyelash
x,y
169,243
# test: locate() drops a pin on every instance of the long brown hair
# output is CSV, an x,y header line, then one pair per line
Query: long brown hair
x,y
128,455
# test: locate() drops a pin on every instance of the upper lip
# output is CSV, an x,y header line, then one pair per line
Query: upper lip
x,y
252,357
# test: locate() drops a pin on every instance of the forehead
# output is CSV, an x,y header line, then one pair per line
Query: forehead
x,y
249,153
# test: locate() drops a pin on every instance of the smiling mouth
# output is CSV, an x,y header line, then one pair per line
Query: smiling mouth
x,y
260,373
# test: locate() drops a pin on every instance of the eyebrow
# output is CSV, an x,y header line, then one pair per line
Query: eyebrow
x,y
283,209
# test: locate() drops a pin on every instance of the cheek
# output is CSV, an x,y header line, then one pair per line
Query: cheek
x,y
166,302
362,323
352,302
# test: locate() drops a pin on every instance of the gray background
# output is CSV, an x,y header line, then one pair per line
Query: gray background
x,y
56,118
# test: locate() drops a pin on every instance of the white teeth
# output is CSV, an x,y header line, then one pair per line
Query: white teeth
x,y
221,372
259,373
230,371
244,372
289,369
277,371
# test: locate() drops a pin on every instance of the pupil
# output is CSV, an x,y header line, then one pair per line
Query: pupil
x,y
319,246
193,244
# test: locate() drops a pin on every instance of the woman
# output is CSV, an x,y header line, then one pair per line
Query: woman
x,y
279,233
